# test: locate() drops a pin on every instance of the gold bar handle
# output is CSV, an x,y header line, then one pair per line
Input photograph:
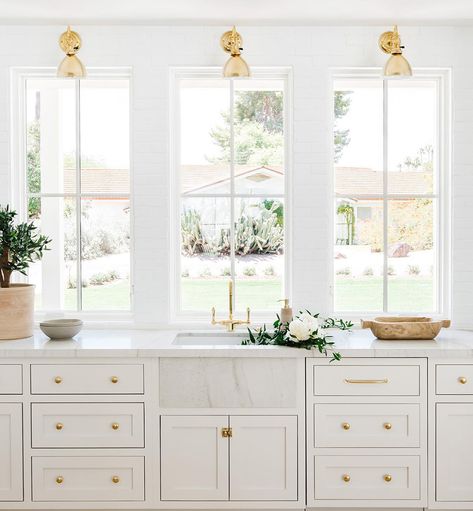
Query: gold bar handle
x,y
366,382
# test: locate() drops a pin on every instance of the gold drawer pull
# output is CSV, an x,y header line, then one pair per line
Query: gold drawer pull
x,y
115,479
227,432
59,479
388,478
346,478
346,426
114,379
115,426
58,380
462,380
387,425
349,380
59,426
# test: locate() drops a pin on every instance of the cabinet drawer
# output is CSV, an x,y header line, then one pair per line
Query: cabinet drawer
x,y
86,379
366,477
366,425
454,379
87,425
11,379
366,380
88,479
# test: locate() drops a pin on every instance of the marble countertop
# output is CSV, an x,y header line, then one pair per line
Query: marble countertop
x,y
159,343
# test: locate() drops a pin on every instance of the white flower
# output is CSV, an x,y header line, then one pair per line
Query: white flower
x,y
309,320
299,330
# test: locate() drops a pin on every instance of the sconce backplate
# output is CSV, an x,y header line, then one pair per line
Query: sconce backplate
x,y
226,41
70,42
386,41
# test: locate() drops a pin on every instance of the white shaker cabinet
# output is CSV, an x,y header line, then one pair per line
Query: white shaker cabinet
x,y
236,458
11,438
194,458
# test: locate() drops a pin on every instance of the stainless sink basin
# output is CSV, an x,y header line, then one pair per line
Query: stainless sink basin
x,y
209,339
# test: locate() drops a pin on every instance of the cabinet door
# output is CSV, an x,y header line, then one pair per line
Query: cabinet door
x,y
11,457
194,458
454,452
263,458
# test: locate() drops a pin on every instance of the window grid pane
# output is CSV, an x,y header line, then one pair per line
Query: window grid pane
x,y
247,248
102,271
404,190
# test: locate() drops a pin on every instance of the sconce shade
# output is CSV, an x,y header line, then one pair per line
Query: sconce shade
x,y
397,65
236,67
71,67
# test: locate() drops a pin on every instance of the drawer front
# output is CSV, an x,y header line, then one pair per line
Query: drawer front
x,y
86,379
88,479
366,380
87,425
454,379
11,379
366,478
366,425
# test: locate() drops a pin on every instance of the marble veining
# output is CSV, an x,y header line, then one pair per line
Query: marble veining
x,y
227,383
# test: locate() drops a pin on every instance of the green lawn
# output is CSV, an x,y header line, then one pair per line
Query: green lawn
x,y
404,294
409,294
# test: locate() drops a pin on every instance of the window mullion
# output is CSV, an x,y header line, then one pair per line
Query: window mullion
x,y
78,199
385,194
232,191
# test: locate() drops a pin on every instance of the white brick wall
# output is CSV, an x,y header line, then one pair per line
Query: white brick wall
x,y
310,51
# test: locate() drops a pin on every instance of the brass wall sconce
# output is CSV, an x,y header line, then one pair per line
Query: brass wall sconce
x,y
397,65
70,67
235,67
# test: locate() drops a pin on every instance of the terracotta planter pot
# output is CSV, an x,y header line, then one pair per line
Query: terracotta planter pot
x,y
16,311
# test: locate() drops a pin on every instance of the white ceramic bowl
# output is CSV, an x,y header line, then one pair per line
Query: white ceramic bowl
x,y
61,328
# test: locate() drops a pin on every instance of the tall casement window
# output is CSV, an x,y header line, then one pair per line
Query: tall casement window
x,y
76,188
390,165
231,170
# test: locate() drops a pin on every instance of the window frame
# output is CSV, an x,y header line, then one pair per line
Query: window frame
x,y
177,315
19,190
443,213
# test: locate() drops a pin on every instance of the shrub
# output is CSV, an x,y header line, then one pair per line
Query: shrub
x,y
185,273
269,271
206,272
413,269
391,270
343,271
249,271
99,279
226,271
368,271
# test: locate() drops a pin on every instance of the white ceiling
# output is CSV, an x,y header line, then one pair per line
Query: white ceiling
x,y
241,12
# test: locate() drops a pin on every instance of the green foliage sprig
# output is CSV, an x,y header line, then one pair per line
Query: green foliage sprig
x,y
20,245
283,334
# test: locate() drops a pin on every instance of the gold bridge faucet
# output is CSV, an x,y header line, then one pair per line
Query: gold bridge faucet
x,y
230,323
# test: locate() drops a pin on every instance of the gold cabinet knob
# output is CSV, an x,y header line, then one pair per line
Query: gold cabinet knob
x,y
388,478
114,379
462,380
387,425
58,380
346,478
59,426
346,426
115,479
59,479
115,426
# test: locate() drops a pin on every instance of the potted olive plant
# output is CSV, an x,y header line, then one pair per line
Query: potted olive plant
x,y
20,245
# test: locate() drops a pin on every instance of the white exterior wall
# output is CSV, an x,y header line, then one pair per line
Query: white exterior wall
x,y
311,52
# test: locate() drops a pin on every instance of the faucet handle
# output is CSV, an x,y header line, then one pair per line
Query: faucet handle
x,y
213,316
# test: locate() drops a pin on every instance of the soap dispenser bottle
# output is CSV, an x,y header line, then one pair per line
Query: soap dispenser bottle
x,y
286,312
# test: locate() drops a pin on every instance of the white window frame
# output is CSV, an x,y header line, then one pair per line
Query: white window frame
x,y
177,315
19,192
443,214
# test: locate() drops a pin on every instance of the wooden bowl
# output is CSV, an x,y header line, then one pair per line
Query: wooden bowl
x,y
405,328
